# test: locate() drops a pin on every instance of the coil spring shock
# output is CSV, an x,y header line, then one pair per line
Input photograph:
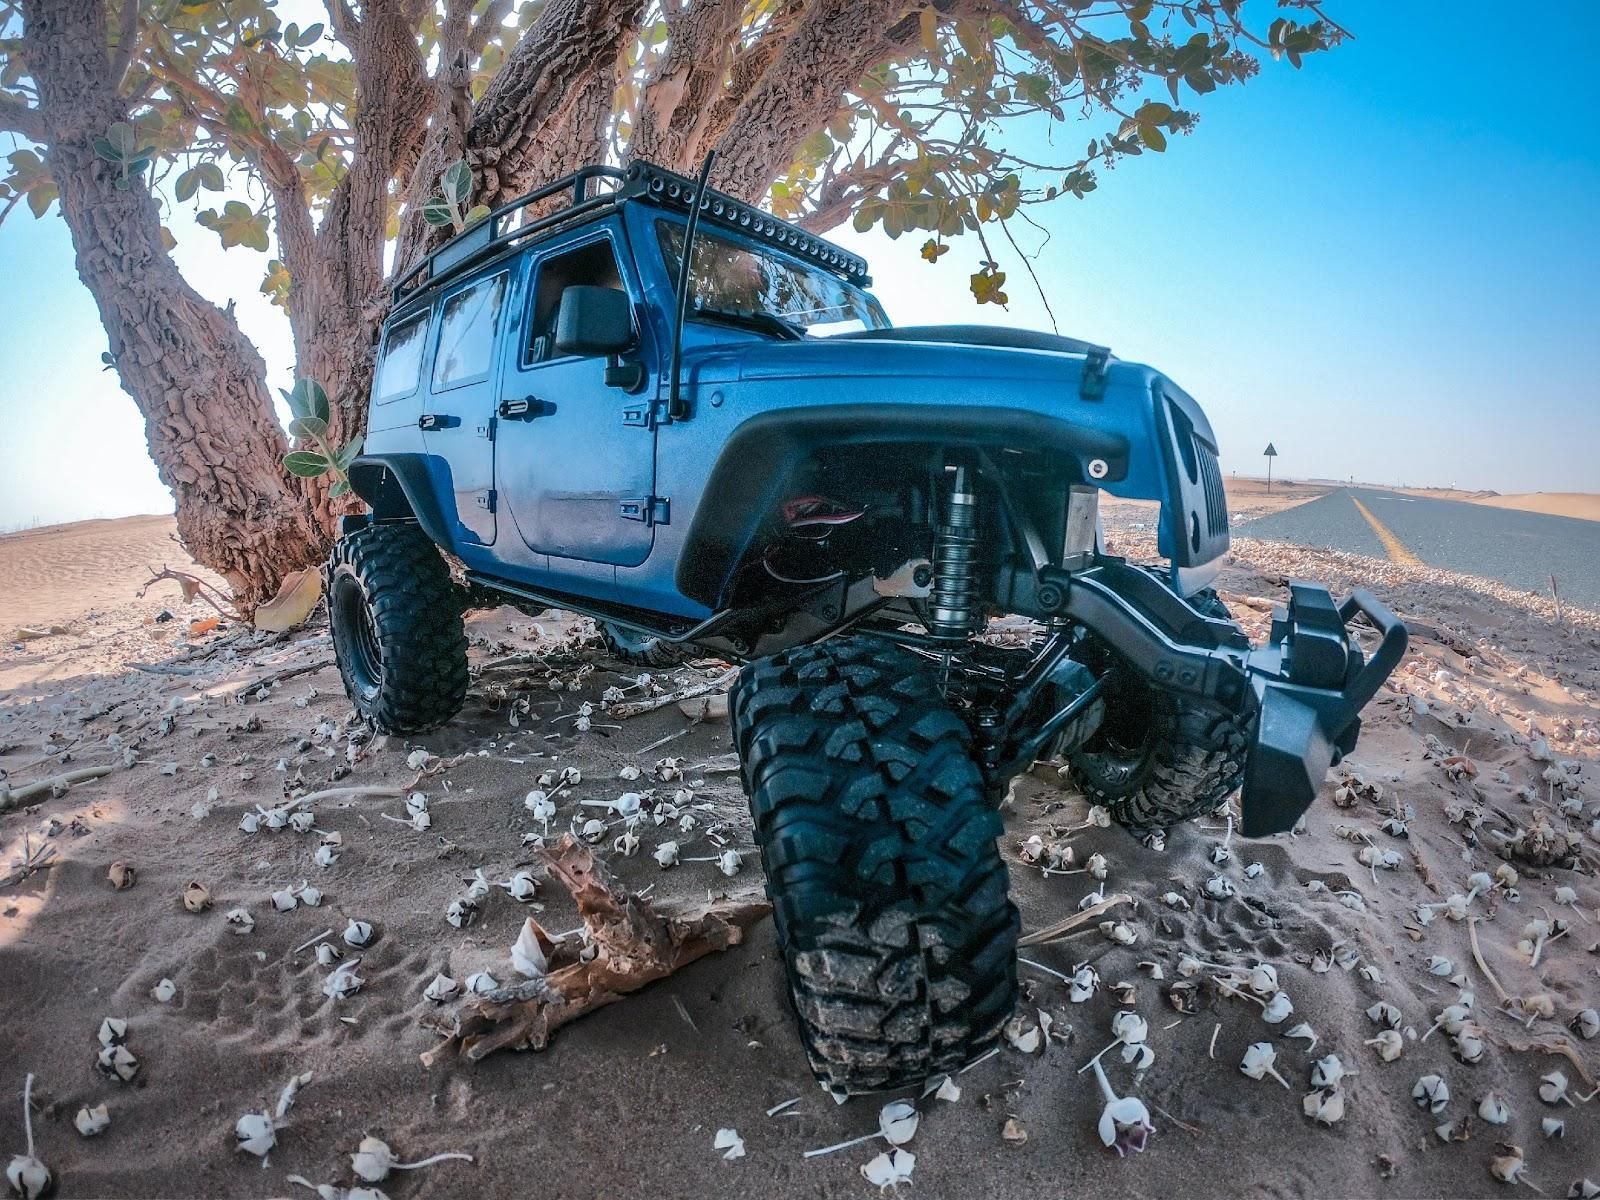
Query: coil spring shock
x,y
955,564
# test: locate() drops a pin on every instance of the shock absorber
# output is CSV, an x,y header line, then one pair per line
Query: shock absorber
x,y
954,597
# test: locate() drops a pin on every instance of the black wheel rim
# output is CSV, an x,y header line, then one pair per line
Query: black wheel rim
x,y
356,637
1124,733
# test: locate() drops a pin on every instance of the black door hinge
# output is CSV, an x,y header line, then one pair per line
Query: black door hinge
x,y
486,499
487,429
641,415
652,510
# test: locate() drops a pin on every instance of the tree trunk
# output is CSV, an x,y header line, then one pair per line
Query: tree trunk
x,y
196,378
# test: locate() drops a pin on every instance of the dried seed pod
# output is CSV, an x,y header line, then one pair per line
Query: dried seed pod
x,y
1303,1030
91,1121
239,920
250,822
897,1121
1220,887
481,983
1431,1092
1277,1009
328,954
729,1142
1384,1013
122,876
888,1170
628,772
1327,1073
1175,900
358,933
117,1062
416,802
343,981
1258,1061
462,912
302,822
1469,1044
164,992
729,862
1493,1109
283,900
309,896
196,897
373,1160
1085,982
593,830
478,888
1553,1088
527,953
1130,1028
1389,1045
1553,1127
1508,1166
1023,1034
666,854
1438,964
326,856
441,988
523,887
113,1031
1254,870
1586,1024
1326,1108
1263,979
256,1134
1120,932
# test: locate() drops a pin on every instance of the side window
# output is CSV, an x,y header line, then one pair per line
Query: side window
x,y
402,360
466,333
594,263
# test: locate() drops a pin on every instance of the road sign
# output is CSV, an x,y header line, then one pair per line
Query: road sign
x,y
1271,452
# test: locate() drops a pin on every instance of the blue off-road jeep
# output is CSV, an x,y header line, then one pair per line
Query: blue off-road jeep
x,y
633,397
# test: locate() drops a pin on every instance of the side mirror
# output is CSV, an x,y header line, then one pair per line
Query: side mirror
x,y
593,321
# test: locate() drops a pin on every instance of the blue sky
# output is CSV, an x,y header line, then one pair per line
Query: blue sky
x,y
1387,264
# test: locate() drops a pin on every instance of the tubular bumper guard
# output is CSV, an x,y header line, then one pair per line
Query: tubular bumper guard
x,y
1306,687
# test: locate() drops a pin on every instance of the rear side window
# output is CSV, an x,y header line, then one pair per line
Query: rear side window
x,y
402,360
467,333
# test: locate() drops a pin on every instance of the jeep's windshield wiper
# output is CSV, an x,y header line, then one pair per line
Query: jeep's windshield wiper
x,y
764,321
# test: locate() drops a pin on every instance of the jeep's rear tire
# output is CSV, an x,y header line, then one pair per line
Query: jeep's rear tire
x,y
888,892
398,635
1157,759
640,648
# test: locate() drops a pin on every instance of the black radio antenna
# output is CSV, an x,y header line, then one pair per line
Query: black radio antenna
x,y
677,409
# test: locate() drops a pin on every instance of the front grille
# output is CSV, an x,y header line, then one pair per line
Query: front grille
x,y
1216,497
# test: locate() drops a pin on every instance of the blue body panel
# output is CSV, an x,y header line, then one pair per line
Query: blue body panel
x,y
587,456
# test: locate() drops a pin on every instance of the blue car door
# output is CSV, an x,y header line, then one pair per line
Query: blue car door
x,y
574,457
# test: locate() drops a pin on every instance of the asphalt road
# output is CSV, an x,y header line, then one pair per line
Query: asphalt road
x,y
1522,549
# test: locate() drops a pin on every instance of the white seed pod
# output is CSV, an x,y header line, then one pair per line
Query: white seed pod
x,y
1327,1072
303,822
1263,979
328,954
478,887
1097,866
283,900
1120,932
729,1142
481,983
729,862
1032,850
1508,1166
164,992
1494,1109
309,896
1431,1092
1566,894
1439,965
523,887
1469,1044
358,933
1258,1061
1220,887
117,1062
275,818
628,772
1130,1028
593,830
897,1121
1451,1019
113,1031
887,1171
627,804
416,760
91,1121
1506,875
1189,965
256,1134
326,856
570,777
1085,982
1220,854
539,804
1099,816
250,822
1304,1031
239,920
372,1160
527,955
1175,900
1553,1127
343,981
416,802
1553,1088
1586,1024
441,988
666,854
1023,1034
1326,1108
1388,1044
1254,870
29,1177
1384,1013
196,897
1277,1009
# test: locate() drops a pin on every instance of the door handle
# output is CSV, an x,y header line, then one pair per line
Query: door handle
x,y
525,409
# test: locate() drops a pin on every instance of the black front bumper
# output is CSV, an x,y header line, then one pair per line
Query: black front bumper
x,y
1305,688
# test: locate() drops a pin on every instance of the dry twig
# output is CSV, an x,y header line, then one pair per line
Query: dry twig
x,y
638,707
12,797
1069,925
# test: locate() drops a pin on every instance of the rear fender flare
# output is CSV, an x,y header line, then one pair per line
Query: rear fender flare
x,y
406,487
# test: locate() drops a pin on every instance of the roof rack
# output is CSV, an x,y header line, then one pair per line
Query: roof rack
x,y
589,194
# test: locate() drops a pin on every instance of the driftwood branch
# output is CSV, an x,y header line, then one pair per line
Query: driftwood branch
x,y
193,589
1070,925
11,797
635,943
639,707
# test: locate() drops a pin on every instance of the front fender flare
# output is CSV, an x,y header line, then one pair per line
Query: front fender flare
x,y
402,487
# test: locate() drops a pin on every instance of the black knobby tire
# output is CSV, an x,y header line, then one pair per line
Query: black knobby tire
x,y
889,895
640,648
398,635
1158,759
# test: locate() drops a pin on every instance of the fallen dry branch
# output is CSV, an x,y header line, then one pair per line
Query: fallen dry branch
x,y
29,862
193,589
1070,925
11,798
288,673
635,942
639,707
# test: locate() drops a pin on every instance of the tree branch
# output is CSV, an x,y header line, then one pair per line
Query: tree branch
x,y
127,42
16,116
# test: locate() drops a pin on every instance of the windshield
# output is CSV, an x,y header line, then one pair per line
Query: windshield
x,y
745,283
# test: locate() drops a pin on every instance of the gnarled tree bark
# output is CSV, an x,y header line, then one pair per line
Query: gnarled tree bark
x,y
196,378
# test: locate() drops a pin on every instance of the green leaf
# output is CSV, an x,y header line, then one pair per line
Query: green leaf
x,y
105,149
121,136
308,399
437,212
188,184
349,454
305,463
475,214
340,487
309,428
210,176
309,35
457,181
1152,137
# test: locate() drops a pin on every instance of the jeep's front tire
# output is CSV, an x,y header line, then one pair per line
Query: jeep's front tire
x,y
398,636
889,895
1157,759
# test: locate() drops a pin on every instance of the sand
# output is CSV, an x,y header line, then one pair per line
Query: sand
x,y
1583,505
630,1099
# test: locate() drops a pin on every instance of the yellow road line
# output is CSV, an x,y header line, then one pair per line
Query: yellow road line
x,y
1392,546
